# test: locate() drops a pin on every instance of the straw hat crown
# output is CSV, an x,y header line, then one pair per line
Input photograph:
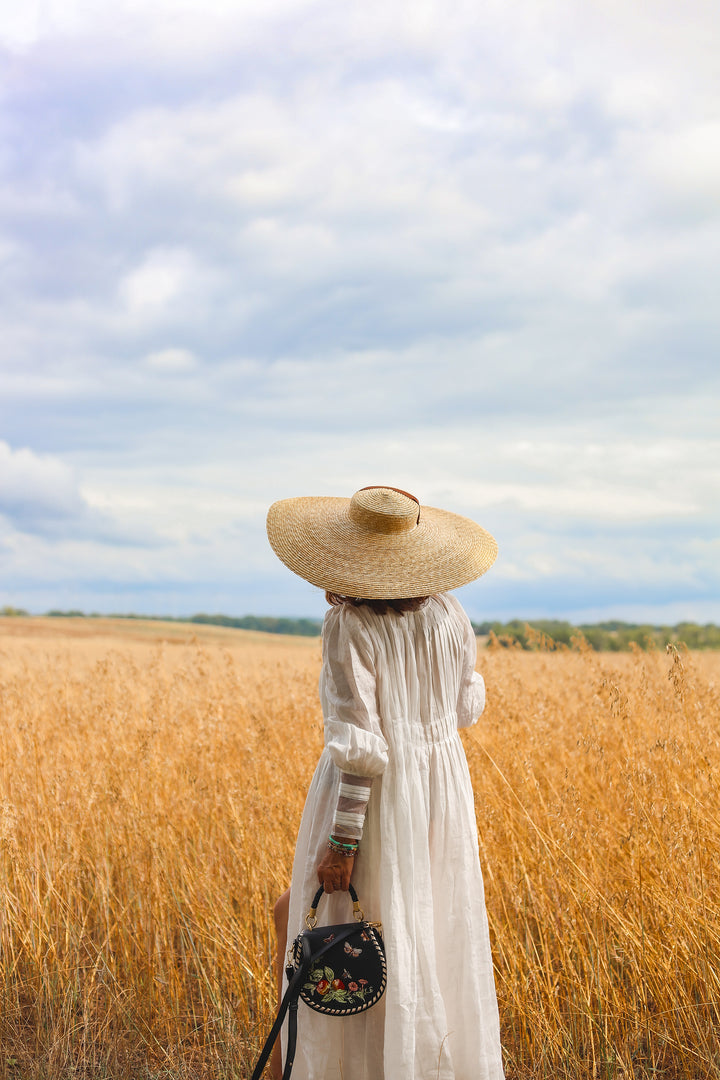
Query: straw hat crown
x,y
379,544
384,510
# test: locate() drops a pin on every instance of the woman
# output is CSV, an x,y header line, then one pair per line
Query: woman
x,y
391,804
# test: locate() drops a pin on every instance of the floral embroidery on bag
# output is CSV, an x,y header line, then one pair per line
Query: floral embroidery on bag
x,y
331,988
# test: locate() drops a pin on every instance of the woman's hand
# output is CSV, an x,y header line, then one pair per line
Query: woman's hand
x,y
335,871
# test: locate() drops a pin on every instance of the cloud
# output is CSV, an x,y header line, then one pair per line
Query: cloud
x,y
37,488
40,496
161,278
171,359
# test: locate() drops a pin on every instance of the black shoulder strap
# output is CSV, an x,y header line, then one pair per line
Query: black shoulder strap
x,y
290,998
290,1002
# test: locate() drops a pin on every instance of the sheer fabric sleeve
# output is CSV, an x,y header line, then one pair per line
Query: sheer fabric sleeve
x,y
471,697
353,735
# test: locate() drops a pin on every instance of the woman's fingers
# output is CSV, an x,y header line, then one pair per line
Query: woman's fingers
x,y
332,884
337,885
334,872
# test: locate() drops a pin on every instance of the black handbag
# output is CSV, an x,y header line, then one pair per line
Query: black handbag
x,y
336,970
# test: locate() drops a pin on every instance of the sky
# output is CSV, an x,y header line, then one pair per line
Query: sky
x,y
251,251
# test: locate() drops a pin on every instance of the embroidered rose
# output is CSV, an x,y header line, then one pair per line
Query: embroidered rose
x,y
338,984
323,986
353,986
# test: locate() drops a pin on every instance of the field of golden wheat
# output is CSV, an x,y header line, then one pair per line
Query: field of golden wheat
x,y
151,782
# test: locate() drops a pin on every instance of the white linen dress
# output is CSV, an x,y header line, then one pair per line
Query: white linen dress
x,y
394,691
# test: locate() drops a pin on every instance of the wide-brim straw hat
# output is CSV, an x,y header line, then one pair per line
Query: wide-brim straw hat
x,y
379,544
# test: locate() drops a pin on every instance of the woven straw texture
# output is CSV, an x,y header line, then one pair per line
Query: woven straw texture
x,y
375,546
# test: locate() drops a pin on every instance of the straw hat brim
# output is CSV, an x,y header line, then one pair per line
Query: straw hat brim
x,y
315,538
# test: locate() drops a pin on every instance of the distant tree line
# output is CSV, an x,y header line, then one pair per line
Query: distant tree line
x,y
267,624
613,636
540,634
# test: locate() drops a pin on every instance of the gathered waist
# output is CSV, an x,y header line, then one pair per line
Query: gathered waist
x,y
404,729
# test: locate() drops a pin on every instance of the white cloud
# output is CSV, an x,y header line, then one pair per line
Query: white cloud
x,y
37,485
163,279
41,497
171,359
687,163
20,24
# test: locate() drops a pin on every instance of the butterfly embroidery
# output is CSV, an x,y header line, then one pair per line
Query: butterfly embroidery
x,y
350,951
328,939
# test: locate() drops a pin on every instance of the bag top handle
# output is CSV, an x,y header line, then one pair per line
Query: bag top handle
x,y
311,917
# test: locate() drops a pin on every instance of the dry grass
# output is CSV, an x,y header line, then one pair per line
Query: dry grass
x,y
149,797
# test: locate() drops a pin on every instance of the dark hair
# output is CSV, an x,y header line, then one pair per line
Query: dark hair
x,y
380,607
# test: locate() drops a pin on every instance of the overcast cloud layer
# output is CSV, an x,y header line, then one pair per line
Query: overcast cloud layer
x,y
297,248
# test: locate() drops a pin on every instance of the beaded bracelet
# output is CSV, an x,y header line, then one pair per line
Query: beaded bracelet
x,y
341,845
345,854
341,848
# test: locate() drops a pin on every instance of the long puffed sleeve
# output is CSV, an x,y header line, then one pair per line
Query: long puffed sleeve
x,y
353,735
471,698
